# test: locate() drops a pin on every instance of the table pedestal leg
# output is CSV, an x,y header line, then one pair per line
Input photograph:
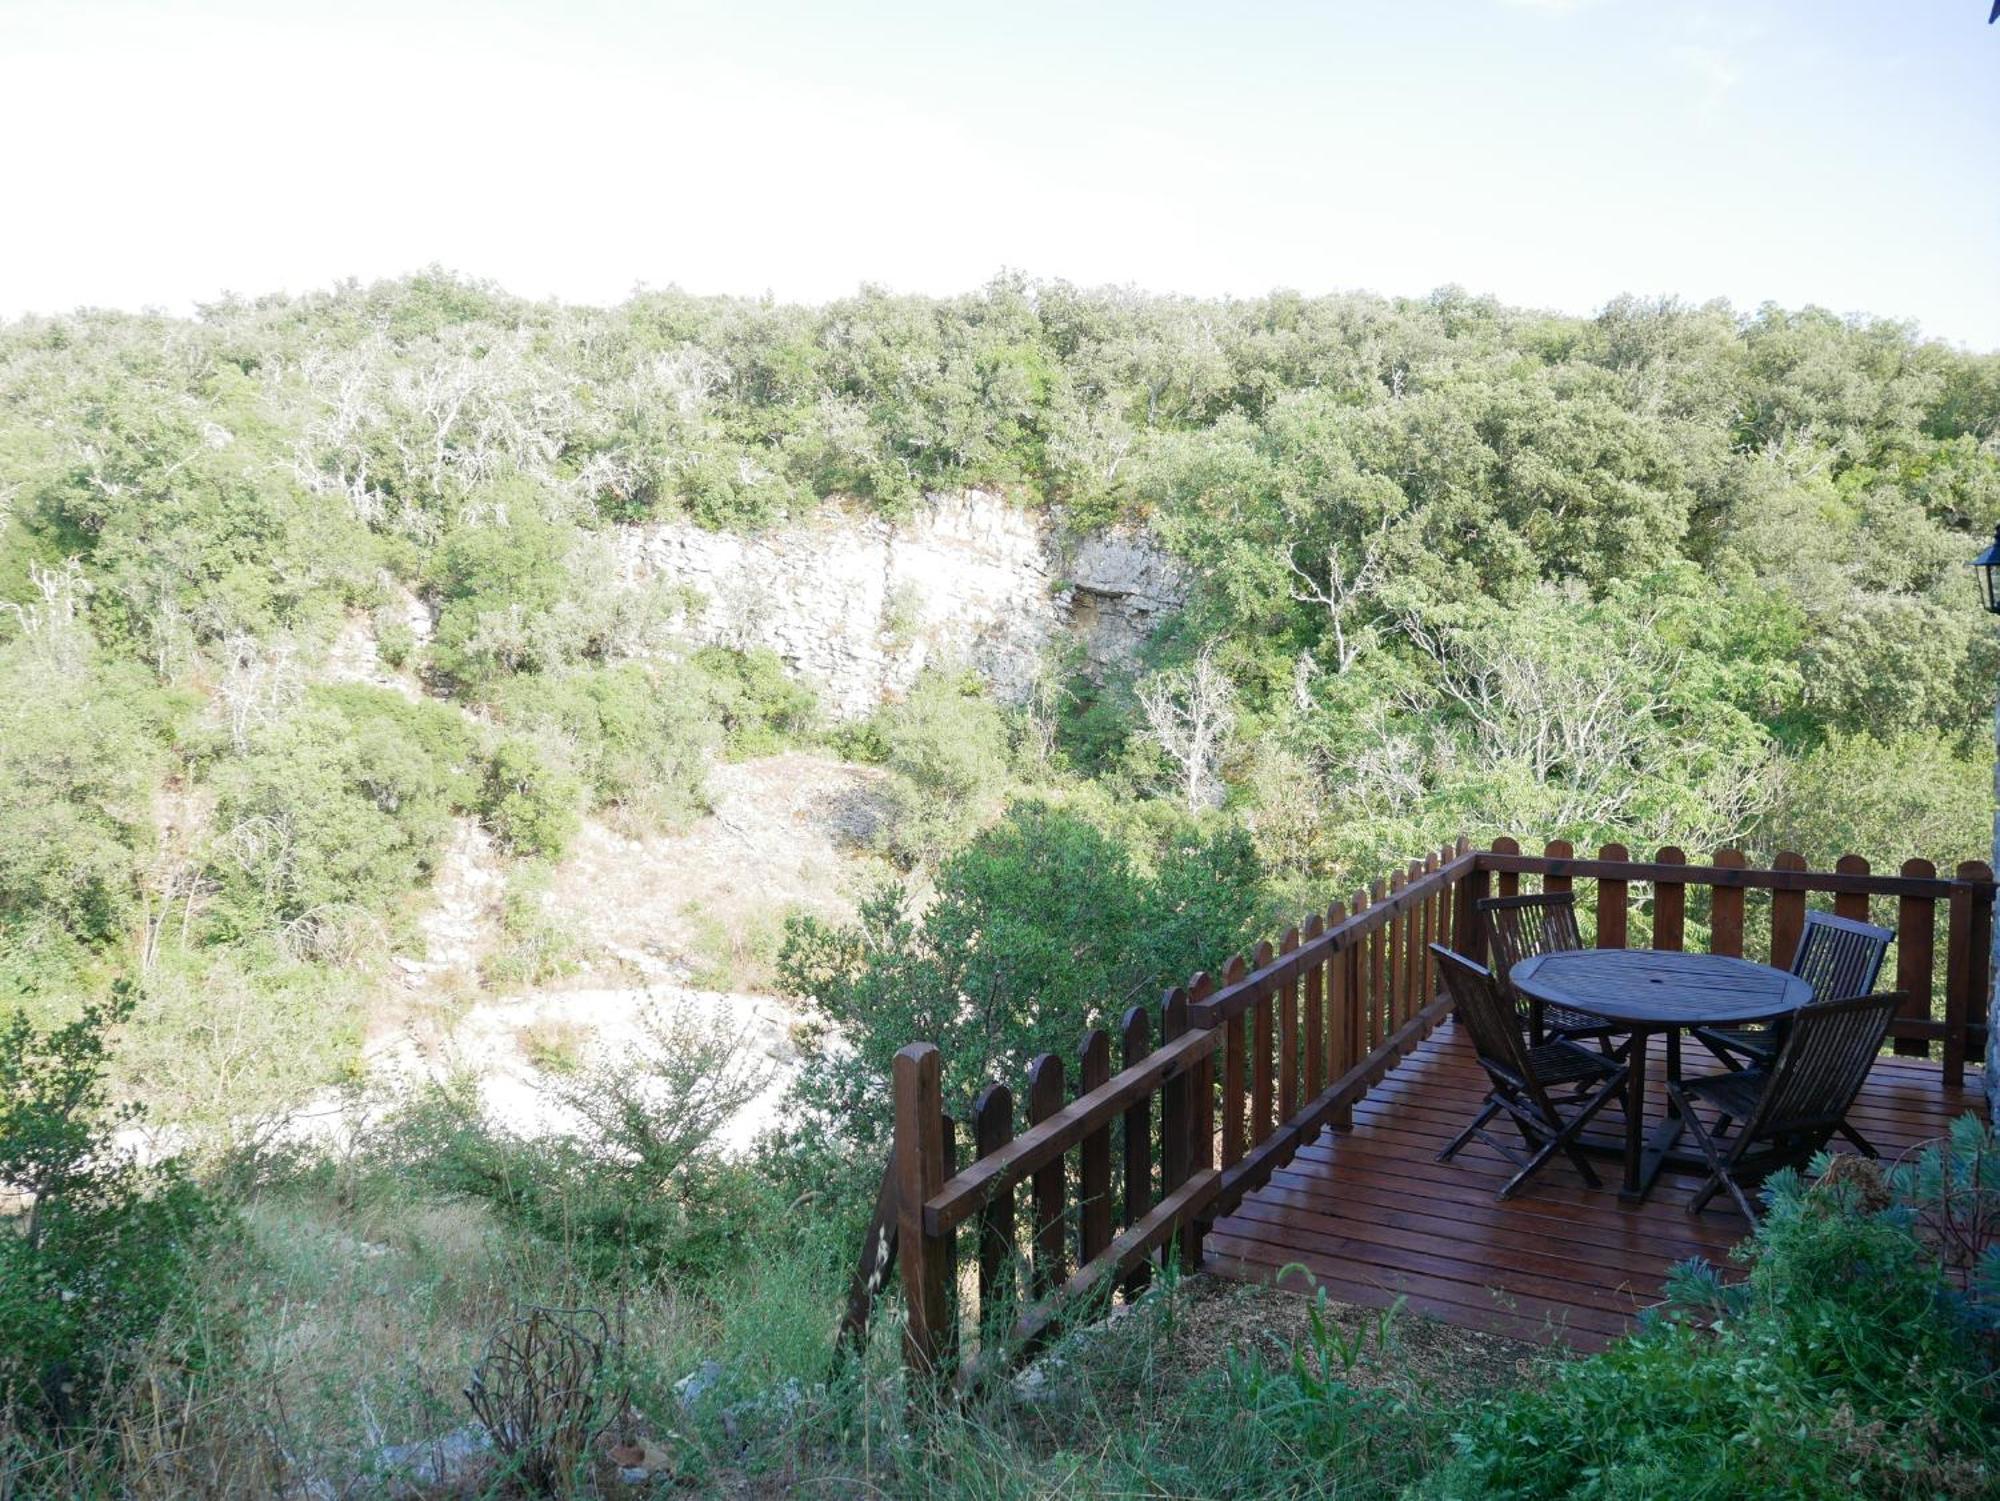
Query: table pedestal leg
x,y
1635,1117
1646,1152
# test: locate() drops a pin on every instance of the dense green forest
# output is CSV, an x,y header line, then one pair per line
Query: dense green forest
x,y
1669,574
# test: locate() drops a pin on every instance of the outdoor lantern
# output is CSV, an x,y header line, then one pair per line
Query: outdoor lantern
x,y
1988,564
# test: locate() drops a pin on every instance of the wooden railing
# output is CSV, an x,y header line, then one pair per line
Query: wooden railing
x,y
1128,1168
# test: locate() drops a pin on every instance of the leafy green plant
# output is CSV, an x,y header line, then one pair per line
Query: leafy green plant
x,y
102,1245
1841,1366
531,805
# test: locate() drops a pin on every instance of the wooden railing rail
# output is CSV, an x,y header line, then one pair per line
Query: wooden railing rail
x,y
1249,1066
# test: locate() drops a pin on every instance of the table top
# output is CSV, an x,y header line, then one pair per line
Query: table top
x,y
1651,987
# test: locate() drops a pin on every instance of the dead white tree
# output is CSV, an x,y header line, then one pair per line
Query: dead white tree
x,y
1190,714
50,626
1342,590
258,685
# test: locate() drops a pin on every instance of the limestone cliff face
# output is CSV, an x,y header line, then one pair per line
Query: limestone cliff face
x,y
861,606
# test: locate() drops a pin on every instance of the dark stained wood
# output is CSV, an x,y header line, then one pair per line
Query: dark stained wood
x,y
1341,1044
1660,988
1558,880
1235,1083
992,1129
1509,883
1669,901
1135,1042
924,1259
1968,948
1372,1218
1173,1098
1315,1040
1788,910
1055,1136
1045,1098
1916,938
1200,1129
1288,1034
1725,918
1094,1168
1261,1090
1613,902
1782,878
1378,986
1852,905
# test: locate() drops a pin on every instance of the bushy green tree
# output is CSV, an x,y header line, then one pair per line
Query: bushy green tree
x,y
1043,926
101,1246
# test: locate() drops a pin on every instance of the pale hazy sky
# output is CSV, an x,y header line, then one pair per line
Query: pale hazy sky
x,y
1552,152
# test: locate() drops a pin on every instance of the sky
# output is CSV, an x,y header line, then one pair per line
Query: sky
x,y
1552,153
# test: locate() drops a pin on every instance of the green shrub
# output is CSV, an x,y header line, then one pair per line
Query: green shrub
x,y
1842,1367
762,706
529,804
947,743
1042,926
496,585
334,815
639,1182
103,1246
638,737
536,946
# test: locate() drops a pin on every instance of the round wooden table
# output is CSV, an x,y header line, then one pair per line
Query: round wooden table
x,y
1651,990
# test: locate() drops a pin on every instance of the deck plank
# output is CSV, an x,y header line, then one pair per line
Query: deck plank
x,y
1371,1216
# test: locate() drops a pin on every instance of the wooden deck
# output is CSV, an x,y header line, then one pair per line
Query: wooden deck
x,y
1371,1215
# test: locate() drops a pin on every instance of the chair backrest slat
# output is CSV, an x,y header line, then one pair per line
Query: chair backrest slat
x,y
1488,1018
1828,1050
1840,957
1518,927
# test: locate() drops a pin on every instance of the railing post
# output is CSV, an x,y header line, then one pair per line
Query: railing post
x,y
1916,963
1468,932
1966,958
1315,1011
1341,1055
1288,1035
1201,1130
1263,1088
924,1259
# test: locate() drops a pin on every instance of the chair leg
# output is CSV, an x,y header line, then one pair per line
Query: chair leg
x,y
1861,1143
1492,1109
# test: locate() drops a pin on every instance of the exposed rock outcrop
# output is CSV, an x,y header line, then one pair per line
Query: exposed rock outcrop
x,y
861,606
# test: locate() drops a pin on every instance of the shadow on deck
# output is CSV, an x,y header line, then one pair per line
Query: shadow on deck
x,y
1372,1216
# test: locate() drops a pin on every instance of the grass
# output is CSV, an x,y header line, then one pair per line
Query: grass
x,y
326,1346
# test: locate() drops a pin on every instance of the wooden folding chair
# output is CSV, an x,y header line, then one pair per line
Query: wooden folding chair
x,y
1542,923
1838,957
1522,1075
1791,1110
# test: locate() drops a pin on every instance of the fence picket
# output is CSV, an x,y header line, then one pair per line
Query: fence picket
x,y
1669,903
1045,1098
1613,903
1135,1042
1725,913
